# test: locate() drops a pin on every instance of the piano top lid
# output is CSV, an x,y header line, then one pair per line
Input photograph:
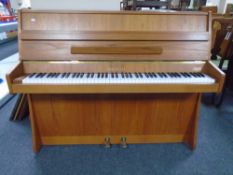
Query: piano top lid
x,y
158,12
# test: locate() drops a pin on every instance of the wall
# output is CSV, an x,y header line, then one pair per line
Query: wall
x,y
223,5
16,4
76,4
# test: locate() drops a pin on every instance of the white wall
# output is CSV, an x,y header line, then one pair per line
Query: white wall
x,y
17,4
213,2
224,5
76,4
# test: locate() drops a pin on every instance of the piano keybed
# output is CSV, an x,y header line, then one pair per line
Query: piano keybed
x,y
119,78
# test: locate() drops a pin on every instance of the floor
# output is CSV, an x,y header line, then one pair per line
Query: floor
x,y
5,66
9,48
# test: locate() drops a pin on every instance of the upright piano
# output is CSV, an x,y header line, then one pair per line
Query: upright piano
x,y
114,77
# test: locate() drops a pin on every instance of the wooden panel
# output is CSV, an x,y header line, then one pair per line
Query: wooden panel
x,y
112,35
64,140
114,89
12,74
60,50
36,137
215,72
113,22
111,115
112,66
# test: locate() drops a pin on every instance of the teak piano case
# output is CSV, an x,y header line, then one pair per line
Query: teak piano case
x,y
75,41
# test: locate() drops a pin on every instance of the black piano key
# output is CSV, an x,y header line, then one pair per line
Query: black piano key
x,y
130,75
98,75
161,74
88,75
37,75
146,74
77,75
47,75
92,75
116,75
136,75
126,75
151,75
106,75
74,75
201,74
44,75
140,75
178,75
188,75
81,75
184,75
52,75
62,75
122,75
102,75
32,75
56,75
112,75
154,75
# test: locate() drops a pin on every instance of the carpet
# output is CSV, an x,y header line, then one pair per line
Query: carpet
x,y
8,49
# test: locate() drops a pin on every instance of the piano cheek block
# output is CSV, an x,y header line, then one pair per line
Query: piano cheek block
x,y
132,79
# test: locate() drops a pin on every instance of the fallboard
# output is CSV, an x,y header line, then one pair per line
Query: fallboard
x,y
75,35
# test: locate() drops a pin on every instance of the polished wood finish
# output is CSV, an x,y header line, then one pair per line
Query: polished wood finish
x,y
75,41
110,22
132,116
36,137
171,50
122,35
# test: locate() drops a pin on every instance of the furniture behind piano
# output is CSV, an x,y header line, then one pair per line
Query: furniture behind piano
x,y
138,4
159,105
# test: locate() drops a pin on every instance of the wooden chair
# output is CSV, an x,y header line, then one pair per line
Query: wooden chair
x,y
226,53
221,26
213,9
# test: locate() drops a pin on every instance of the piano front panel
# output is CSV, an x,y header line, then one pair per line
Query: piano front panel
x,y
169,50
113,21
66,118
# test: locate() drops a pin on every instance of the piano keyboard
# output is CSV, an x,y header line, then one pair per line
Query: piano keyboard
x,y
118,78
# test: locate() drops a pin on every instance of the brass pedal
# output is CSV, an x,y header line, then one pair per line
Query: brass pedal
x,y
107,142
123,143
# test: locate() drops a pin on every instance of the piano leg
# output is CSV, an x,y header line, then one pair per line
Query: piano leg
x,y
191,137
36,139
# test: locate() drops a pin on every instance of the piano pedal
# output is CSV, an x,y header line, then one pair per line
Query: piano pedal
x,y
123,143
107,142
